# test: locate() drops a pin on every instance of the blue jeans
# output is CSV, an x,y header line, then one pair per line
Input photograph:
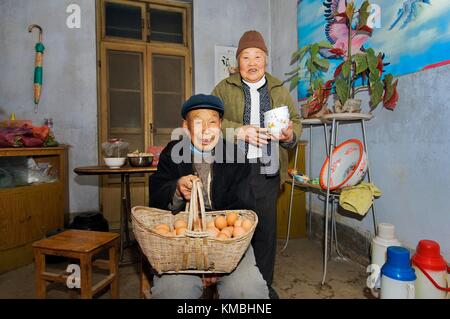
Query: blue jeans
x,y
245,282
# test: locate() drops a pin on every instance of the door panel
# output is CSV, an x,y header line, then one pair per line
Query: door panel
x,y
123,116
12,220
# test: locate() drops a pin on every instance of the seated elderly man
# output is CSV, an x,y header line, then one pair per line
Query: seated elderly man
x,y
203,155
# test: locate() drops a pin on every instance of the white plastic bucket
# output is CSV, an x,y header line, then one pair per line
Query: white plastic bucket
x,y
396,289
397,276
379,245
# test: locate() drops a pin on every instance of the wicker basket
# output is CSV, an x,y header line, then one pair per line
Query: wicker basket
x,y
195,251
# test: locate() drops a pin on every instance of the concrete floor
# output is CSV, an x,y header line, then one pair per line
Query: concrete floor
x,y
298,272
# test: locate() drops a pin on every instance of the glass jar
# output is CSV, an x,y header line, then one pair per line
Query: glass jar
x,y
115,147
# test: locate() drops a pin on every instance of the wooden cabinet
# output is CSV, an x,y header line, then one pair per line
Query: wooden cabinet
x,y
298,217
29,211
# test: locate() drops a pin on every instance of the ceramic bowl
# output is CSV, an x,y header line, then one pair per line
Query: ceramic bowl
x,y
115,162
349,165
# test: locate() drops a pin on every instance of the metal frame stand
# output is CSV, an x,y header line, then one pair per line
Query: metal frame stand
x,y
309,123
331,198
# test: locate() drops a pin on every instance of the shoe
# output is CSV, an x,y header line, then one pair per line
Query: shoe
x,y
272,293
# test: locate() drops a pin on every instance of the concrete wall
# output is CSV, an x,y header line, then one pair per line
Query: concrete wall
x,y
409,152
69,90
218,22
284,37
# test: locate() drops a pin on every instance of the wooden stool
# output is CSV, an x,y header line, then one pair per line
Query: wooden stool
x,y
82,245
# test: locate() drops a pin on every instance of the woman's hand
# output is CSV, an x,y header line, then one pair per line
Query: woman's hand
x,y
287,134
253,134
184,186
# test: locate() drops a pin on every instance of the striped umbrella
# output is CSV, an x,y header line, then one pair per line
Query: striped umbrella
x,y
37,66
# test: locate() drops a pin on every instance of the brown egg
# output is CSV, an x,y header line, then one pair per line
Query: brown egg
x,y
228,230
180,224
222,236
231,218
220,222
210,224
247,224
162,226
181,230
238,231
238,223
213,231
161,230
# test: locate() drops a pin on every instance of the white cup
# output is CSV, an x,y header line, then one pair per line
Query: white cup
x,y
276,119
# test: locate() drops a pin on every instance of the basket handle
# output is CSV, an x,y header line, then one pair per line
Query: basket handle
x,y
202,205
192,208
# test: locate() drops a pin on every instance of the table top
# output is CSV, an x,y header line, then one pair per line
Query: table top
x,y
104,170
346,117
327,118
311,122
76,240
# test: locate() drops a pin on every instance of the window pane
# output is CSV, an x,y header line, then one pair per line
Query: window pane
x,y
123,20
166,26
125,109
126,97
167,110
168,73
168,90
124,69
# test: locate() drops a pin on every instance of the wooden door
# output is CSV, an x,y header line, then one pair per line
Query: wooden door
x,y
145,76
124,115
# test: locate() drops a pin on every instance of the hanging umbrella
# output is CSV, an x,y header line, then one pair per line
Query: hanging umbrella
x,y
37,66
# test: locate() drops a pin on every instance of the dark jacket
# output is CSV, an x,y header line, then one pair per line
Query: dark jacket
x,y
229,181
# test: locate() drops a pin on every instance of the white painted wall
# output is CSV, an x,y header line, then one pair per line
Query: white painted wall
x,y
284,37
218,22
69,90
409,151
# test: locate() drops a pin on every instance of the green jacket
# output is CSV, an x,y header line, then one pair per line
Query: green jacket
x,y
231,92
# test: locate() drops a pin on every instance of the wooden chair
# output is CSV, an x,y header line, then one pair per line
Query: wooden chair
x,y
82,245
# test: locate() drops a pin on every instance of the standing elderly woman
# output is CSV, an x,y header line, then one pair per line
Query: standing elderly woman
x,y
246,96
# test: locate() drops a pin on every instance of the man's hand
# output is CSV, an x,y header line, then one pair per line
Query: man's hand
x,y
184,186
252,134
